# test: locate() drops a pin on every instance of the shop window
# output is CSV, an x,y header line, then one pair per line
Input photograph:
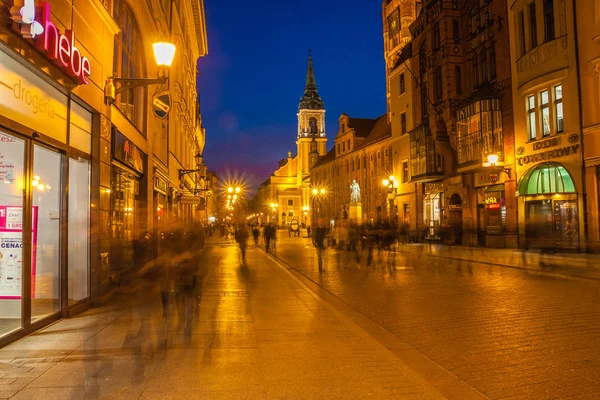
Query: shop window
x,y
128,62
402,84
533,24
432,214
545,111
531,118
548,7
125,188
403,123
79,217
406,214
558,109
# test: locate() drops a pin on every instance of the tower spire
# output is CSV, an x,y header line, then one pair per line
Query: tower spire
x,y
311,99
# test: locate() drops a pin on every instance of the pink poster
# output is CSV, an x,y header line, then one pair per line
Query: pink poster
x,y
11,251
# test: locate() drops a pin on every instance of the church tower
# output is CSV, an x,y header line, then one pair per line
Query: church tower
x,y
311,125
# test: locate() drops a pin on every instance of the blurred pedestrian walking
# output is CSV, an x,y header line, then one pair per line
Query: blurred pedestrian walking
x,y
241,237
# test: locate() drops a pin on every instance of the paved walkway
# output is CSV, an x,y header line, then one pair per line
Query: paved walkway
x,y
259,334
569,264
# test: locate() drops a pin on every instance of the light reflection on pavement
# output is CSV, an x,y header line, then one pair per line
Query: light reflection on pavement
x,y
508,333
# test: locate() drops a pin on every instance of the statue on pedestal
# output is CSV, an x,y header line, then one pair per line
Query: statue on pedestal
x,y
355,194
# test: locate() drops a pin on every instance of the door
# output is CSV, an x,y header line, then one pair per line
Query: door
x,y
46,236
539,224
12,184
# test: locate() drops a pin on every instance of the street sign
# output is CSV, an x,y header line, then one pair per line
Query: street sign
x,y
161,104
294,225
209,193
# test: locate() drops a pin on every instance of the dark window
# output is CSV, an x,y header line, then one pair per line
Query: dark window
x,y
484,66
548,6
521,27
493,61
405,177
402,84
455,31
352,165
344,146
458,77
128,62
403,123
358,163
312,123
475,70
533,24
348,144
436,36
290,202
438,83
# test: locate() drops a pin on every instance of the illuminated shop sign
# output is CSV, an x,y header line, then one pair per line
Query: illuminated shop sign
x,y
60,48
572,148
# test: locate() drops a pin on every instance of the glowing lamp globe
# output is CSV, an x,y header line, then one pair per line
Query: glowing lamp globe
x,y
164,53
493,159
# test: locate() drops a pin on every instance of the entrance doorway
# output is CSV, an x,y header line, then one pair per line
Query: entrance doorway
x,y
455,219
40,273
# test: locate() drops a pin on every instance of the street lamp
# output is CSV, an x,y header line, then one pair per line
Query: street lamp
x,y
164,53
391,184
317,194
492,163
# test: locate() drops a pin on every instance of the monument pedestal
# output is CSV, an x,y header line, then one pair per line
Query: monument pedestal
x,y
356,212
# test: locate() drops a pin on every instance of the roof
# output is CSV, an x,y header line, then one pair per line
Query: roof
x,y
381,130
362,126
330,156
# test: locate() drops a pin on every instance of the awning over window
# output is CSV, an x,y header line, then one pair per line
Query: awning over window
x,y
546,178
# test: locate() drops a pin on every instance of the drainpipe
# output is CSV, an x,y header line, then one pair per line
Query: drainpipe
x,y
583,185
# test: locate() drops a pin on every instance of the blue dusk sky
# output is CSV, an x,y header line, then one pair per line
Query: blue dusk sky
x,y
252,79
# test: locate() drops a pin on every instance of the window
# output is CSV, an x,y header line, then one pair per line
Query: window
x,y
291,202
405,176
347,167
531,117
458,79
558,109
352,165
544,100
484,66
348,144
378,155
436,36
521,27
386,152
312,123
475,70
548,7
493,61
338,149
403,123
128,62
402,84
437,76
358,163
533,24
455,31
371,157
344,146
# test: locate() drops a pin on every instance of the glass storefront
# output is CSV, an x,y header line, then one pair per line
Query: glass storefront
x,y
79,229
125,188
432,214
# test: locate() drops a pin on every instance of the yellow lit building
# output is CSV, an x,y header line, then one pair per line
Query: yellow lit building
x,y
548,127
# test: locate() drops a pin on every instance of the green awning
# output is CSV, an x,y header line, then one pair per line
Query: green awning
x,y
546,178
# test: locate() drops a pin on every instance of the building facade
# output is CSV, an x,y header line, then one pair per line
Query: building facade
x,y
362,153
548,124
87,174
285,196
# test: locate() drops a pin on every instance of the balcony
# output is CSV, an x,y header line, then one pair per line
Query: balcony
x,y
479,129
426,163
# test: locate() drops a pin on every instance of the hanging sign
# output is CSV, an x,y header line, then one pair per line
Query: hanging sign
x,y
59,48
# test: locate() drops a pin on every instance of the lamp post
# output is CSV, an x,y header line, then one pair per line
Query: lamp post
x,y
317,194
164,53
392,188
305,210
492,163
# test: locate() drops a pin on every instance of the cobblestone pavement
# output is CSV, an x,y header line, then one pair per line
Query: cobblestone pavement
x,y
508,333
258,334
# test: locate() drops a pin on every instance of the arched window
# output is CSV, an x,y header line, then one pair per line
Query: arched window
x,y
128,62
312,124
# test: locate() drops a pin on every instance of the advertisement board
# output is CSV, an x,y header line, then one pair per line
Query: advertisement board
x,y
11,250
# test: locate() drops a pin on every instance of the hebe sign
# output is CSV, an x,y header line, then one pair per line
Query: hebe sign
x,y
60,48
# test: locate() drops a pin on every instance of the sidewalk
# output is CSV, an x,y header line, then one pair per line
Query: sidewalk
x,y
259,334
